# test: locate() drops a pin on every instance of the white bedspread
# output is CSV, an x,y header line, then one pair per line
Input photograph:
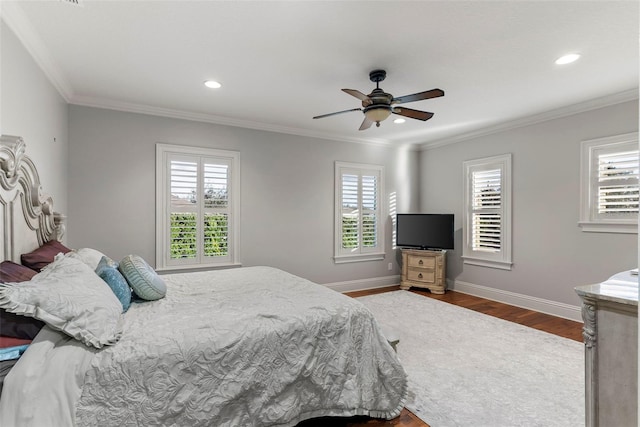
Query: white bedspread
x,y
246,347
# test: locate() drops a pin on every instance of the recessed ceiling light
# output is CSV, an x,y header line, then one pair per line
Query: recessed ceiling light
x,y
398,121
212,84
567,59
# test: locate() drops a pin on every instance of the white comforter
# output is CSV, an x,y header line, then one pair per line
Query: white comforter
x,y
246,347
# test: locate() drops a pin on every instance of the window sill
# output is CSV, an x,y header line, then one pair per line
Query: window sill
x,y
608,227
188,268
342,259
501,265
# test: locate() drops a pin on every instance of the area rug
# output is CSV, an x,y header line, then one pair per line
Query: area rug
x,y
470,369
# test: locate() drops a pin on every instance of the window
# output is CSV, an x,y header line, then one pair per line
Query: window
x,y
487,213
609,184
359,226
196,207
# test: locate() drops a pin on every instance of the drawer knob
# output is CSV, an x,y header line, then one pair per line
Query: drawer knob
x,y
420,262
420,276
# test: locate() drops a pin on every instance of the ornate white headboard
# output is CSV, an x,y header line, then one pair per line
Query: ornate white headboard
x,y
27,219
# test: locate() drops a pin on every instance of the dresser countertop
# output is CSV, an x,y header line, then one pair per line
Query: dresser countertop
x,y
621,288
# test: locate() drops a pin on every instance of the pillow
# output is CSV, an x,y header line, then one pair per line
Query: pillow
x,y
44,255
69,297
144,281
108,271
89,256
12,342
12,353
105,262
12,272
12,325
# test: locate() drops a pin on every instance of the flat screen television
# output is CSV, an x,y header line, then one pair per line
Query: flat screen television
x,y
424,231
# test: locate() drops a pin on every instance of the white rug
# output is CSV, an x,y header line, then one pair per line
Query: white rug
x,y
469,369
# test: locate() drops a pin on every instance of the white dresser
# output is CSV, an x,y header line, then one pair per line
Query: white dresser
x,y
610,314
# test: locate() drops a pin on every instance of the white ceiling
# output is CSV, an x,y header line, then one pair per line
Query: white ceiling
x,y
281,63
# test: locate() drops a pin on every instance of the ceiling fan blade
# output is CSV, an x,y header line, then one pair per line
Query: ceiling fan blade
x,y
413,114
337,112
433,93
361,96
366,124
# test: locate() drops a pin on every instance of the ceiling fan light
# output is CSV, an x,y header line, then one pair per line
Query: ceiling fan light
x,y
377,114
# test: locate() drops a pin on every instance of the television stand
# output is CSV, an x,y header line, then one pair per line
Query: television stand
x,y
424,269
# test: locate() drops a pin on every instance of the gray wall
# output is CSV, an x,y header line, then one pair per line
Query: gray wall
x,y
101,171
551,254
287,189
32,108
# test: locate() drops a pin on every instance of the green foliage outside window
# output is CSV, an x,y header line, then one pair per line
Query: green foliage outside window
x,y
369,231
183,235
216,234
350,232
184,243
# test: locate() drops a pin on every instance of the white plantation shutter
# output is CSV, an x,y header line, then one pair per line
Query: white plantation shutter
x,y
184,175
369,211
487,210
350,211
487,214
196,206
618,183
358,212
216,208
609,184
184,208
216,176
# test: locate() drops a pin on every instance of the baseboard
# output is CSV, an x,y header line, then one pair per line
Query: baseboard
x,y
554,308
363,284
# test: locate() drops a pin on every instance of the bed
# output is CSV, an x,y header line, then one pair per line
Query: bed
x,y
253,346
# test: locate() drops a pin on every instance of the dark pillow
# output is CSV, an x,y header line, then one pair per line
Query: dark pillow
x,y
6,342
44,255
12,325
12,272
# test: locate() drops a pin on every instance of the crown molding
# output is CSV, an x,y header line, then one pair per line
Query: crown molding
x,y
593,104
16,20
219,120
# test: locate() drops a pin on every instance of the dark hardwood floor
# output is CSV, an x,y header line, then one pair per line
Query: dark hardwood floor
x,y
544,322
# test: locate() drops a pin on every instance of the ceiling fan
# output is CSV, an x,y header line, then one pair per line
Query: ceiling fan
x,y
379,105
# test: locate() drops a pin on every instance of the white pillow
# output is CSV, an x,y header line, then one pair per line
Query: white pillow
x,y
89,256
69,297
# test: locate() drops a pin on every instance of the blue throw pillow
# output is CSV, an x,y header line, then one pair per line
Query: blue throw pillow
x,y
105,261
143,279
109,273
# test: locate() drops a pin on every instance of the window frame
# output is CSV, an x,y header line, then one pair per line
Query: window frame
x,y
164,153
361,254
500,259
590,220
